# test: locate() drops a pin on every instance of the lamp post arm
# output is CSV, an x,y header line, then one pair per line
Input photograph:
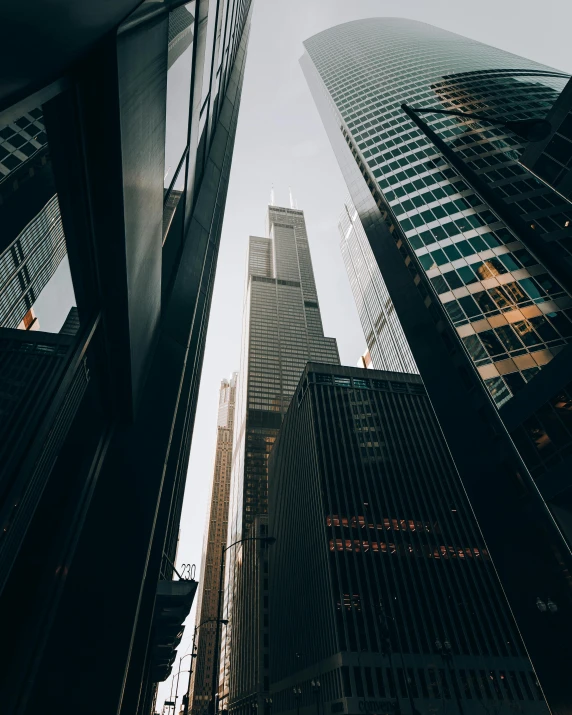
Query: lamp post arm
x,y
240,541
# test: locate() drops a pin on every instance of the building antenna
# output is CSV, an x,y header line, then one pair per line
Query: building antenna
x,y
272,195
291,199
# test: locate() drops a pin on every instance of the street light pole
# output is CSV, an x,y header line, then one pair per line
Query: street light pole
x,y
525,233
316,688
193,654
269,540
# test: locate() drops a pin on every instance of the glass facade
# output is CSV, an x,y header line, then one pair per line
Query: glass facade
x,y
510,313
386,342
402,609
33,246
114,166
282,331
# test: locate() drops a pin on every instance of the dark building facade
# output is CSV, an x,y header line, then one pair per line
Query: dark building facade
x,y
474,251
282,330
383,596
551,159
111,133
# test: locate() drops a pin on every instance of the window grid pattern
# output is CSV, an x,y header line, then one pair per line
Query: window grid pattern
x,y
384,335
496,294
391,556
28,264
20,140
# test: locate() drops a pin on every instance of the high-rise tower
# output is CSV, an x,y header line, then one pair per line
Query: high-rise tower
x,y
282,331
383,597
386,343
215,539
475,252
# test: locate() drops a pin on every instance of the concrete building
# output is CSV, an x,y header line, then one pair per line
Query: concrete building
x,y
215,539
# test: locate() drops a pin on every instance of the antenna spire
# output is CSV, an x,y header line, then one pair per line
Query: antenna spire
x,y
272,195
291,199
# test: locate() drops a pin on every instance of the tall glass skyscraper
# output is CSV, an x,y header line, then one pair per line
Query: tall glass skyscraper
x,y
282,331
215,539
481,286
386,342
512,316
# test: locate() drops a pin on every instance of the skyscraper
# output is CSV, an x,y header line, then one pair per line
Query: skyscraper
x,y
29,262
383,597
386,343
120,122
33,243
474,251
215,539
282,331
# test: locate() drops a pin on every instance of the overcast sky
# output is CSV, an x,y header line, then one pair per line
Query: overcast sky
x,y
281,141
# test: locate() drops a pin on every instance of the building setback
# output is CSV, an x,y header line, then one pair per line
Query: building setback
x,y
383,596
282,331
117,133
215,539
474,251
386,343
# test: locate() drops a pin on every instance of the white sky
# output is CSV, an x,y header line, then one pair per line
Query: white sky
x,y
281,141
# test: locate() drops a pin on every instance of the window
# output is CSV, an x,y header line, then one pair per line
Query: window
x,y
342,381
452,279
491,342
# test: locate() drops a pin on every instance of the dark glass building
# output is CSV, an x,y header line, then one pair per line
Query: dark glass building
x,y
383,596
282,330
117,130
474,250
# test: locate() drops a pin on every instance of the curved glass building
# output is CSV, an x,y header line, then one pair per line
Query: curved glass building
x,y
511,314
475,251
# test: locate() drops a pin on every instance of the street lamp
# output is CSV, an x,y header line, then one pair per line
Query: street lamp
x,y
297,690
531,130
549,605
268,540
524,231
316,685
193,654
